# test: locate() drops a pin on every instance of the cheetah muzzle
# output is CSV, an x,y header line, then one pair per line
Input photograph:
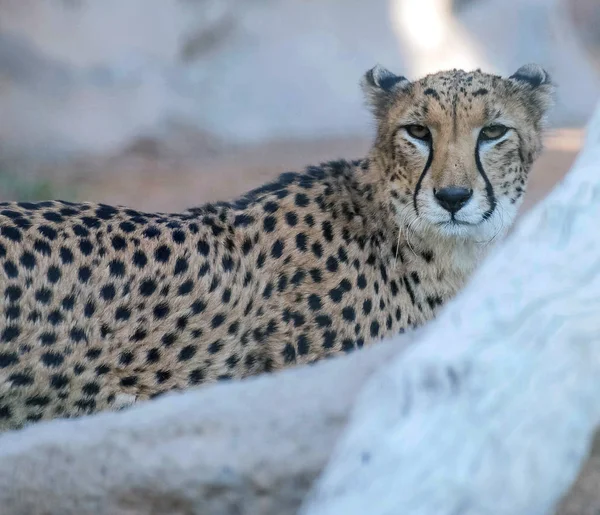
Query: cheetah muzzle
x,y
102,304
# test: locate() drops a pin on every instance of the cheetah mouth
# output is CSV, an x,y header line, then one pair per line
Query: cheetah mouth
x,y
453,222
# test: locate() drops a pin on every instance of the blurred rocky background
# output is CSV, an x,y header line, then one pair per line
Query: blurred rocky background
x,y
164,104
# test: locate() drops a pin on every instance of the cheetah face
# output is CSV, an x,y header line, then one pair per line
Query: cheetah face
x,y
455,148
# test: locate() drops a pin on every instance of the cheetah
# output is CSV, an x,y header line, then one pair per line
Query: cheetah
x,y
104,305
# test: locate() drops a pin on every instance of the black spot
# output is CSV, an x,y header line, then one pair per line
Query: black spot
x,y
147,287
161,310
315,274
10,333
13,312
303,344
127,227
269,223
243,220
185,288
427,256
271,207
122,313
203,248
181,266
162,376
139,335
196,376
152,232
8,358
323,321
162,254
332,264
168,339
106,212
43,295
349,314
52,359
37,400
480,92
108,292
78,335
139,259
317,249
277,249
227,263
93,354
432,93
374,328
217,320
85,272
329,339
48,232
187,353
289,353
28,260
47,339
89,221
66,256
247,246
314,302
118,243
11,270
42,247
215,347
153,355
21,379
13,293
129,381
102,370
348,345
291,219
91,389
301,200
298,277
198,307
327,230
11,233
81,231
301,241
117,268
59,381
53,275
86,247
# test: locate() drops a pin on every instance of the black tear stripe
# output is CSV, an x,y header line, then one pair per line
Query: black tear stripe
x,y
418,186
489,190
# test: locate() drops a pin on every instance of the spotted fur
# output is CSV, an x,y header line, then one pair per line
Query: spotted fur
x,y
102,305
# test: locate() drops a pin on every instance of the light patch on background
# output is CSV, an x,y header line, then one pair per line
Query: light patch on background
x,y
431,39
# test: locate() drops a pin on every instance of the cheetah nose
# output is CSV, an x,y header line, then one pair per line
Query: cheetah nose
x,y
453,198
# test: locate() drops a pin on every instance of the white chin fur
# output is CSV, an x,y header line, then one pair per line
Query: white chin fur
x,y
438,221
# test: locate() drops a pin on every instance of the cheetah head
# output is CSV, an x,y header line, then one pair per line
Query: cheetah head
x,y
454,149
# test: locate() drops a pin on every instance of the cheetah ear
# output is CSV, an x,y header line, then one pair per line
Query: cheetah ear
x,y
381,86
532,74
533,79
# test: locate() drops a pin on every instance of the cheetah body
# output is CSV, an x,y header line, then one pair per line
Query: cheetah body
x,y
101,304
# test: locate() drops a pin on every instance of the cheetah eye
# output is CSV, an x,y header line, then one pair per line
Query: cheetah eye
x,y
492,132
419,132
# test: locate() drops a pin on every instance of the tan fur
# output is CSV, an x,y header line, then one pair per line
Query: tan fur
x,y
104,305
